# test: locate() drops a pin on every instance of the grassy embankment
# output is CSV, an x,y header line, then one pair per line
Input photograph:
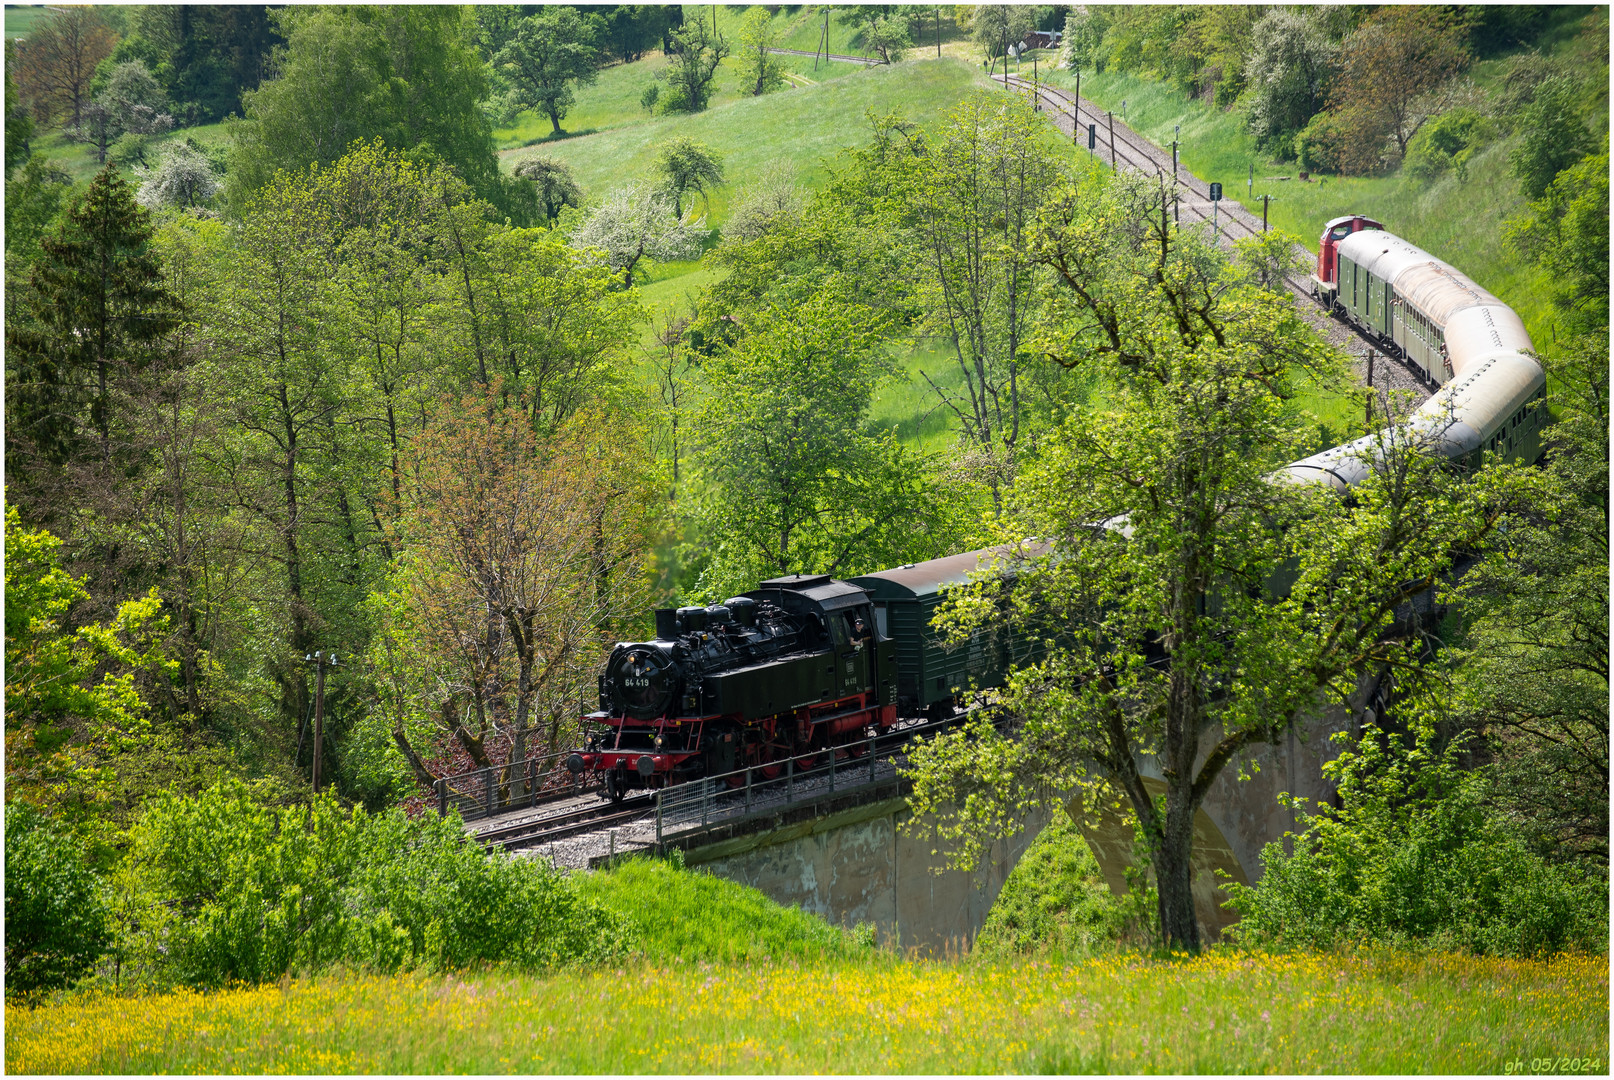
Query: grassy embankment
x,y
717,978
723,980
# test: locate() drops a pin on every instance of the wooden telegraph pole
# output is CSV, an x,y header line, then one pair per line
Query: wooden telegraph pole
x,y
938,33
1113,158
321,660
1076,108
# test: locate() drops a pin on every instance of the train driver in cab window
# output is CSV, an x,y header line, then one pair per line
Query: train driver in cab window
x,y
859,631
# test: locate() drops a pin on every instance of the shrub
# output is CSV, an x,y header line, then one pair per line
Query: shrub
x,y
1552,137
1318,146
259,892
1413,857
1448,142
56,908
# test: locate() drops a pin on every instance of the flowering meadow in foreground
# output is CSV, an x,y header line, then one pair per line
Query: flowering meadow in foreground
x,y
1224,1012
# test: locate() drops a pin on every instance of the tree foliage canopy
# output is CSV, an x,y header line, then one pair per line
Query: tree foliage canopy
x,y
409,76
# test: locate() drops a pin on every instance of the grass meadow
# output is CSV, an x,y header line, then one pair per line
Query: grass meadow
x,y
1224,1012
807,126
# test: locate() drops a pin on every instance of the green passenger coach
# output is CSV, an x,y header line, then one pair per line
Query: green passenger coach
x,y
931,674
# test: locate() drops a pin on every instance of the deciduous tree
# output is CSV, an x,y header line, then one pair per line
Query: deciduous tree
x,y
408,75
553,185
1391,70
1288,72
688,166
58,59
697,50
521,553
759,67
796,482
978,189
549,53
1167,533
636,223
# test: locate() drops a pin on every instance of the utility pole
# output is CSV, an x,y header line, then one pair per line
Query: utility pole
x,y
1112,140
1176,194
1265,200
938,33
1036,95
1076,107
1075,112
321,660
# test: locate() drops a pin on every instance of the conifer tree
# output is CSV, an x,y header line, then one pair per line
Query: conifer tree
x,y
100,310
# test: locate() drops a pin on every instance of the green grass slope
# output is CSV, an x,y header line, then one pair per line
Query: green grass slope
x,y
688,916
808,126
21,18
1054,901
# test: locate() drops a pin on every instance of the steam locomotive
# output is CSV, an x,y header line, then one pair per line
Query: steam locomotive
x,y
800,667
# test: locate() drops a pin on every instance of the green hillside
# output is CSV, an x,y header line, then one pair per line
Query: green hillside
x,y
809,126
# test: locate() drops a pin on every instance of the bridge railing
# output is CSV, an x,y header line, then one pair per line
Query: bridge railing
x,y
482,793
751,789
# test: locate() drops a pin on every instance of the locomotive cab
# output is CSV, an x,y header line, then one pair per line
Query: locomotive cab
x,y
1325,282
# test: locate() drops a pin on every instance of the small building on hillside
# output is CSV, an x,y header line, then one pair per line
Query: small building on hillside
x,y
1040,39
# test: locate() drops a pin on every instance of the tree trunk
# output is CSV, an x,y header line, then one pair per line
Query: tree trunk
x,y
418,767
1173,872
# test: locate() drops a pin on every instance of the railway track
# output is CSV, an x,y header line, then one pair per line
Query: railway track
x,y
573,822
1233,221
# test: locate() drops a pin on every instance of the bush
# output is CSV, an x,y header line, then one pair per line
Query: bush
x,y
258,892
1414,858
1448,142
56,908
1318,146
1552,137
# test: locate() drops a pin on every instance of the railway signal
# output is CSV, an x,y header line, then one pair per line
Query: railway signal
x,y
1092,139
1216,206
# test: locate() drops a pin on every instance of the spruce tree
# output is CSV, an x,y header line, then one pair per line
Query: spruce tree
x,y
100,309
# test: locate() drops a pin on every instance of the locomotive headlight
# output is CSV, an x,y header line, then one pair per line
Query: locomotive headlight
x,y
659,742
